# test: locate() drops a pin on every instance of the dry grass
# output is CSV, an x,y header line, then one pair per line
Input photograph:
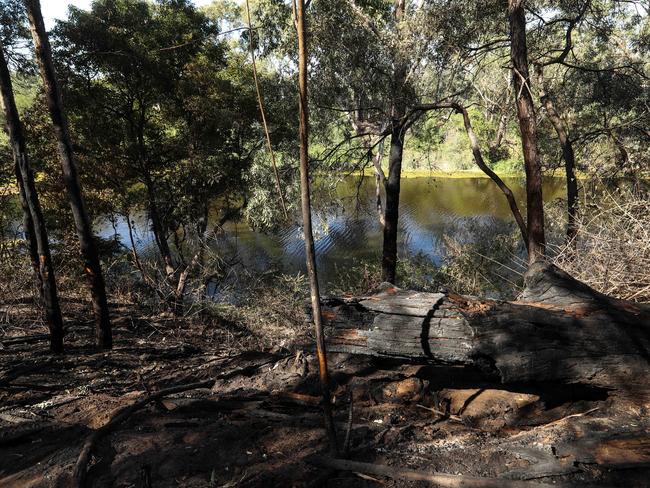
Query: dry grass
x,y
612,249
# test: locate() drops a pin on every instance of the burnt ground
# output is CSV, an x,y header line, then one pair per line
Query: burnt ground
x,y
260,424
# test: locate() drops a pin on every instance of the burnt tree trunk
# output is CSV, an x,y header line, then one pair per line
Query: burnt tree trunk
x,y
92,266
561,331
528,129
35,229
391,211
310,252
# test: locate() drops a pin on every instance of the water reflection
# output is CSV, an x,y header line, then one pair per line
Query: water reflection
x,y
347,228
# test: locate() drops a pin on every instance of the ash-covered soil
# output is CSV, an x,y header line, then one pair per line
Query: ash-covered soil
x,y
258,422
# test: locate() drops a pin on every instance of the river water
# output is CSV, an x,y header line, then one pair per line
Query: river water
x,y
347,229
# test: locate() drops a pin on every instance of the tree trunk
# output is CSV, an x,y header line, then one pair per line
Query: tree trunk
x,y
391,212
478,158
562,331
380,180
567,154
528,129
35,229
310,252
160,236
92,265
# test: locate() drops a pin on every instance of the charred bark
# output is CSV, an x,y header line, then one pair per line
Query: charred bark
x,y
391,211
92,265
35,229
310,252
561,331
528,129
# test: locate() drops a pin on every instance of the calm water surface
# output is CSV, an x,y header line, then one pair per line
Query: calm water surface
x,y
347,229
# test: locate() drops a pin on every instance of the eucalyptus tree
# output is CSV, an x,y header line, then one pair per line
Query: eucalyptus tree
x,y
310,252
92,264
588,59
165,110
391,63
11,23
124,61
526,113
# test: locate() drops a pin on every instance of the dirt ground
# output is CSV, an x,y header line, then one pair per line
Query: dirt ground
x,y
259,425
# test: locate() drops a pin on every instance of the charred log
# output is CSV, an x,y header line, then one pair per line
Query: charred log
x,y
560,331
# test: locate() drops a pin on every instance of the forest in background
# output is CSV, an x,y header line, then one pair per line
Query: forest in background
x,y
164,117
256,113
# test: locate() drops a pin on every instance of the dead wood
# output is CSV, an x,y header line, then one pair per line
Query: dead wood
x,y
562,331
80,472
439,479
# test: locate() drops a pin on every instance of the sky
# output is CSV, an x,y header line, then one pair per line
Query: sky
x,y
58,9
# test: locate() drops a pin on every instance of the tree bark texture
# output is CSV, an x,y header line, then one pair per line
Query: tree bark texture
x,y
561,331
310,252
392,186
568,155
92,265
528,129
35,229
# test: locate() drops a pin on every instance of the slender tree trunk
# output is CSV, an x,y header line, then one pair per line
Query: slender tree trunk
x,y
380,180
503,125
478,158
528,129
501,131
567,154
158,228
92,266
391,212
35,229
307,228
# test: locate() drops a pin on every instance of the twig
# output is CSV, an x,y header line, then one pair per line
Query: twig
x,y
439,479
348,432
80,472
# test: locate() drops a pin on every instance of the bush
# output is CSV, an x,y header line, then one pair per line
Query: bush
x,y
612,248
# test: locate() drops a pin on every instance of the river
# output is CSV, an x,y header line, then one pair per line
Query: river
x,y
347,230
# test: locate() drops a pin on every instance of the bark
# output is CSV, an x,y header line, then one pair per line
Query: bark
x,y
92,266
160,236
528,129
567,154
561,331
35,229
392,186
478,158
310,252
391,211
380,180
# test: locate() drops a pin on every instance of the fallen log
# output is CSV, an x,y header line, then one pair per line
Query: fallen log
x,y
561,331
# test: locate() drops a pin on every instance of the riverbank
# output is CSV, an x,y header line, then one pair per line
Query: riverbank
x,y
201,411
